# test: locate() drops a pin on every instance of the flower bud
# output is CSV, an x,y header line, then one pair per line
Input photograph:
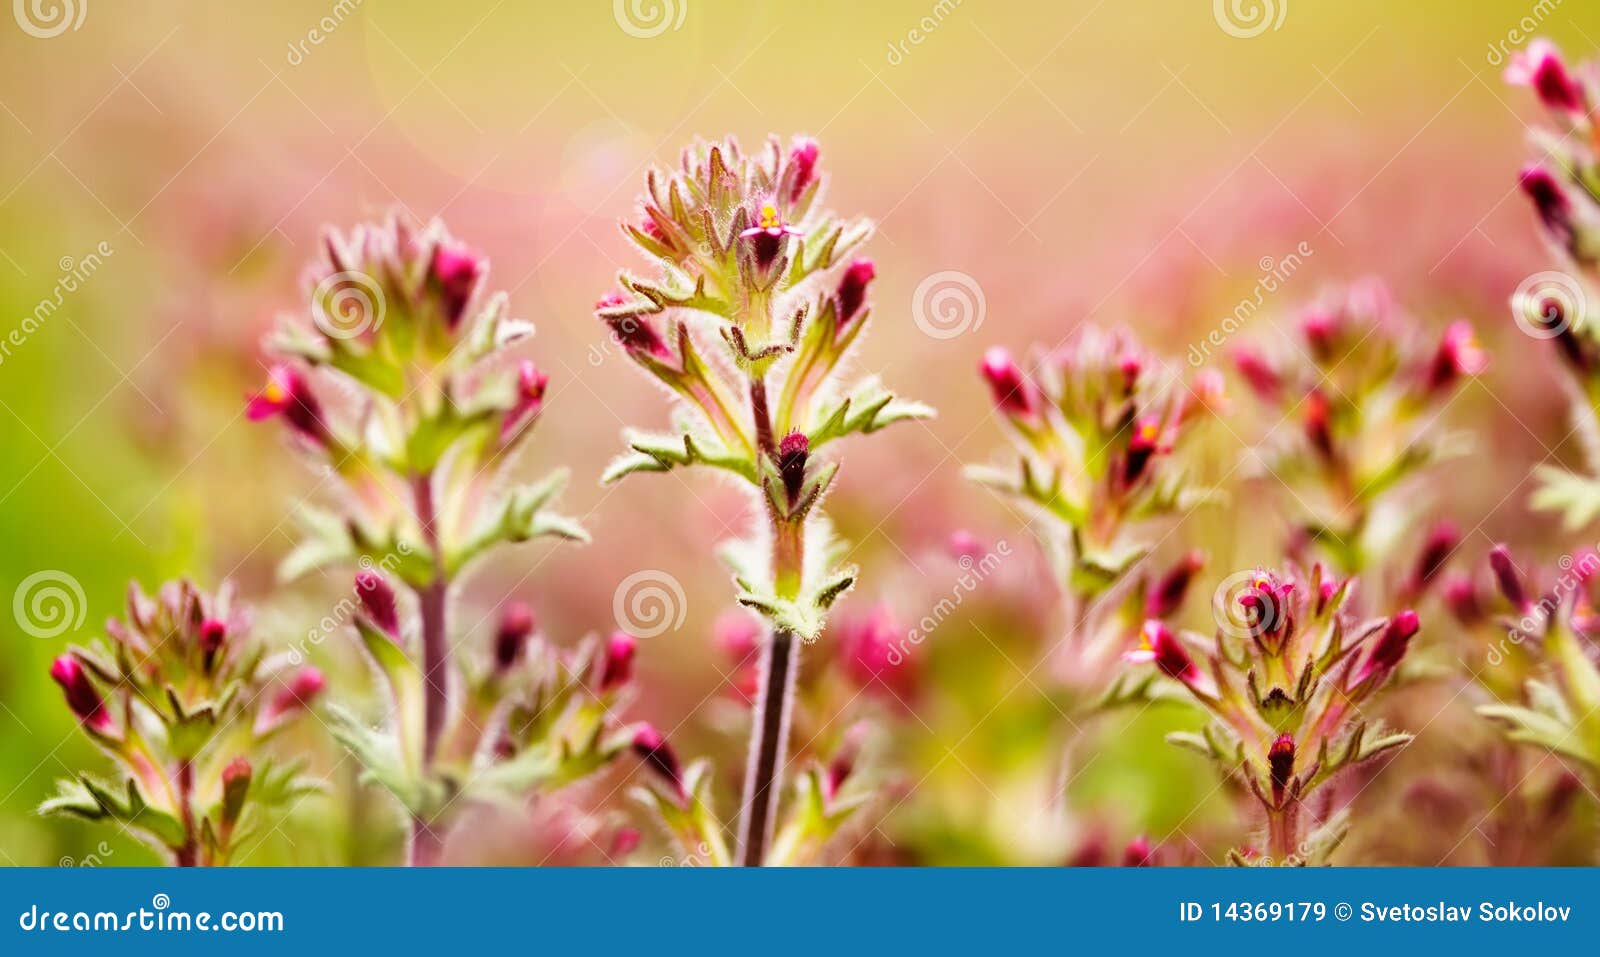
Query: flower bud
x,y
1158,644
1320,327
1541,67
803,164
1280,762
1442,541
453,277
213,634
1138,853
844,760
1165,597
1461,597
624,842
616,669
288,394
633,332
235,788
876,658
1508,578
1550,200
1013,394
517,623
81,695
792,452
1262,378
1319,424
652,748
738,635
292,698
1458,356
378,601
1389,648
529,400
1143,444
852,292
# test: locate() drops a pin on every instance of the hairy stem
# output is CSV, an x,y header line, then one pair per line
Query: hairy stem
x,y
769,740
187,855
426,845
1283,832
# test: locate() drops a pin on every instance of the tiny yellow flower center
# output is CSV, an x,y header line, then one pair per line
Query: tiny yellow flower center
x,y
770,218
274,392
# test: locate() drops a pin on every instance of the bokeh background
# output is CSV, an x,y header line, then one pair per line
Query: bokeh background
x,y
1080,161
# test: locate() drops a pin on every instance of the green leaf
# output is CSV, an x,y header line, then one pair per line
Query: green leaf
x,y
1576,497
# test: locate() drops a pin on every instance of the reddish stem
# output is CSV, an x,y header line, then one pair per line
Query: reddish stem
x,y
433,599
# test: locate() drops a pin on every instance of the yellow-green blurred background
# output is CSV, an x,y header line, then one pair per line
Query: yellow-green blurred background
x,y
1100,161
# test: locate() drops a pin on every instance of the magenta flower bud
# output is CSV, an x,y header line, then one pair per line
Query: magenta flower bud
x,y
529,401
288,394
843,762
1143,444
1550,200
235,788
625,841
876,658
378,601
652,748
1508,578
1280,762
1389,648
1442,541
294,697
738,634
1166,596
792,453
1319,424
517,623
1458,356
1262,378
963,544
81,695
852,292
1320,326
633,332
1138,853
803,161
616,669
213,633
1541,67
453,277
1461,597
1013,394
1159,645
